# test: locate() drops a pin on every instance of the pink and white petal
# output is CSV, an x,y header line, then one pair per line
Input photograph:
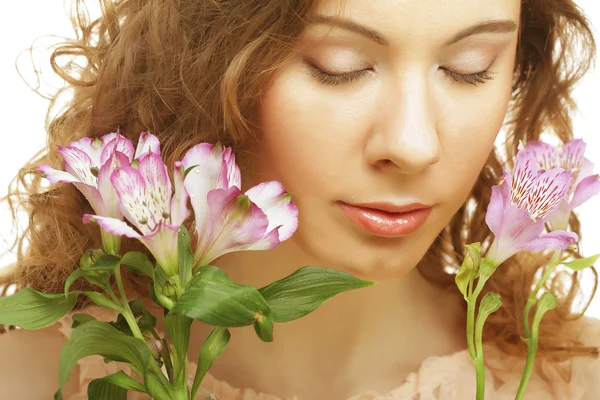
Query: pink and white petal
x,y
162,243
587,169
548,191
105,186
236,223
546,155
131,189
209,173
234,176
147,143
518,227
498,205
112,225
78,164
90,146
553,240
277,204
559,219
179,208
573,154
93,197
523,176
119,143
267,242
55,175
158,184
587,188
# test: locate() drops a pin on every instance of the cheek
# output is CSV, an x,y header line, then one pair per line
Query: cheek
x,y
308,133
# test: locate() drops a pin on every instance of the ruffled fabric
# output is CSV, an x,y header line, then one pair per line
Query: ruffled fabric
x,y
450,377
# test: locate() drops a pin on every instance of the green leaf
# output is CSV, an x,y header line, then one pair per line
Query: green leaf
x,y
95,337
263,326
186,257
216,300
100,389
103,301
582,263
211,349
32,310
468,270
138,263
107,263
121,380
178,331
79,319
305,290
156,388
73,276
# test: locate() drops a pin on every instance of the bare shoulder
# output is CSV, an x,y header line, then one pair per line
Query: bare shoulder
x,y
30,364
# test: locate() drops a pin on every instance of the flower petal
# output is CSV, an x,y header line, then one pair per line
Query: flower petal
x,y
91,146
105,186
553,240
546,155
179,208
158,185
587,188
572,154
55,175
517,230
79,164
147,143
112,225
118,143
236,223
131,189
547,192
277,204
210,172
499,201
163,245
524,176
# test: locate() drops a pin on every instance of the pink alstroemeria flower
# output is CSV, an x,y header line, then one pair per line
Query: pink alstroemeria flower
x,y
88,164
521,204
227,219
147,202
584,184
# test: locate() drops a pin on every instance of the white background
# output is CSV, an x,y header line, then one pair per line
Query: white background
x,y
22,112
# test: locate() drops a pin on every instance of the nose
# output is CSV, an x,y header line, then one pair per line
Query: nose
x,y
404,137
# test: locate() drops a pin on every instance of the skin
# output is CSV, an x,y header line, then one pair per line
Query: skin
x,y
404,131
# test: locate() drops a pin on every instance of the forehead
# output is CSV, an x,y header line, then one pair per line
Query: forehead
x,y
414,20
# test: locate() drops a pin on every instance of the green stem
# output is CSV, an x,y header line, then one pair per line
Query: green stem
x,y
135,329
471,304
531,351
532,299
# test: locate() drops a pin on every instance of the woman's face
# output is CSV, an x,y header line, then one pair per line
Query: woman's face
x,y
388,102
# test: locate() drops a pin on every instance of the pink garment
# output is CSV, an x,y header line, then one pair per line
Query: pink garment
x,y
449,377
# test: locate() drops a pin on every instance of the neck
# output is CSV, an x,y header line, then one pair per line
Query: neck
x,y
367,339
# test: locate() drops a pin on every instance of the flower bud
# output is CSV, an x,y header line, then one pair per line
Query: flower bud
x,y
90,258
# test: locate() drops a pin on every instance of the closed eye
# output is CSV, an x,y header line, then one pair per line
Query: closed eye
x,y
328,78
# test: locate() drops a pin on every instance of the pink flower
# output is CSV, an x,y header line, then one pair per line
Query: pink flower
x,y
227,219
146,200
521,204
584,185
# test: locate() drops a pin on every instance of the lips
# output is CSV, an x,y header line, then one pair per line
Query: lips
x,y
387,220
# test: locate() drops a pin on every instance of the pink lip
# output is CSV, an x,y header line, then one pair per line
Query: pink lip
x,y
387,220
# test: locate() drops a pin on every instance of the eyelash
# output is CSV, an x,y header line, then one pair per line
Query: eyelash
x,y
339,79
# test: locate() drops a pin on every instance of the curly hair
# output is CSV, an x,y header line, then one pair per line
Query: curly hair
x,y
190,70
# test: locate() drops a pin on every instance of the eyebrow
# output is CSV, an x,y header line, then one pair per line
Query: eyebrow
x,y
491,26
